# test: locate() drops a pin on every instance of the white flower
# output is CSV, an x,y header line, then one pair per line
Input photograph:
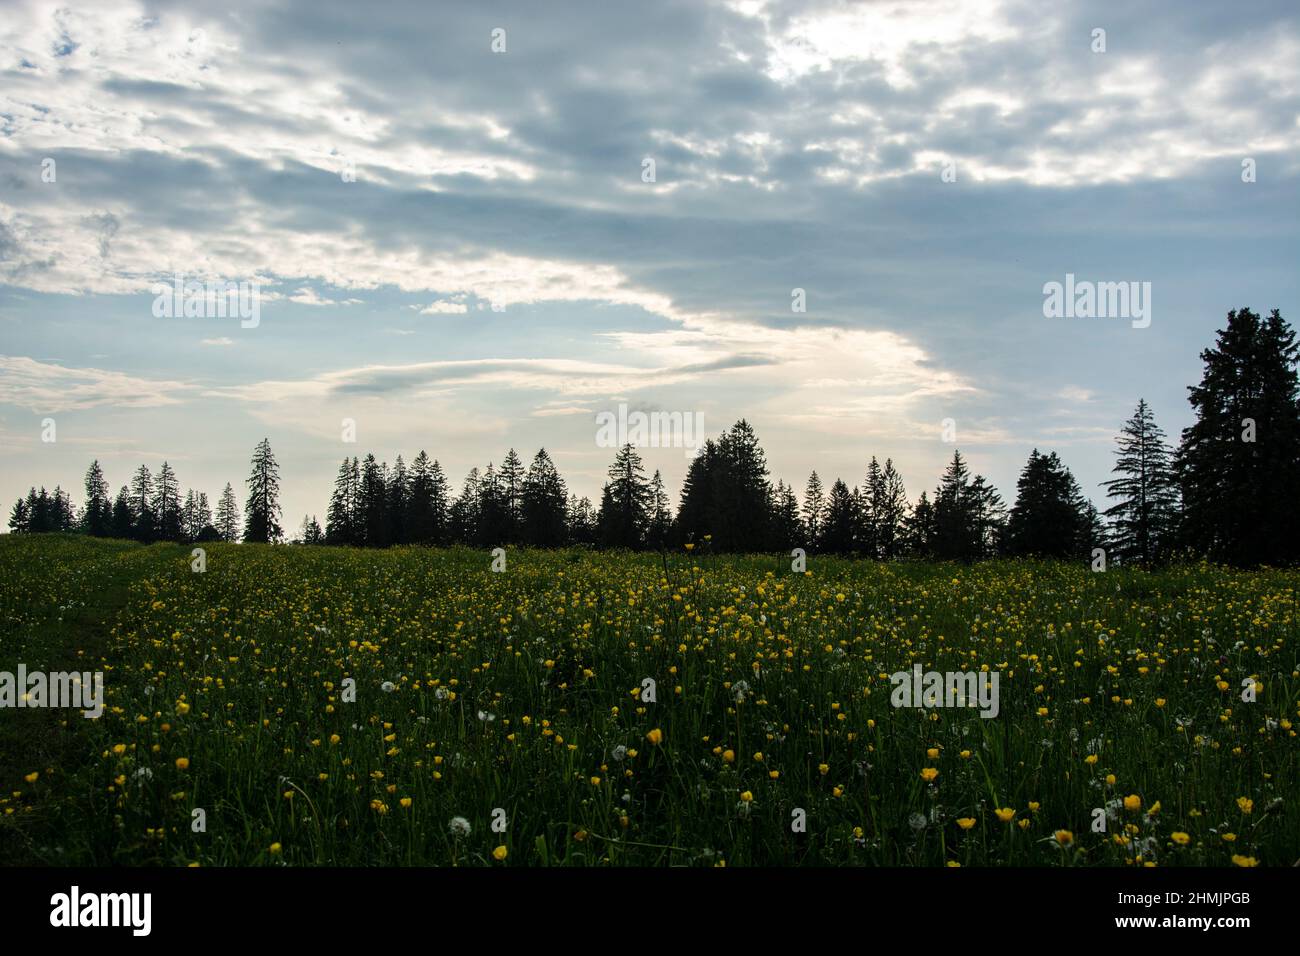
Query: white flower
x,y
619,752
486,717
388,687
441,693
916,821
740,689
459,826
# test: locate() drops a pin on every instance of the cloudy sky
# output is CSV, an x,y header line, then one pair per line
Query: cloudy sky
x,y
455,245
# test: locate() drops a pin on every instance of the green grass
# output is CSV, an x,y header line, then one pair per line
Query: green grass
x,y
515,691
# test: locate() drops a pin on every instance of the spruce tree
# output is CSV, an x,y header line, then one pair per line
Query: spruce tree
x,y
262,509
1238,464
1144,519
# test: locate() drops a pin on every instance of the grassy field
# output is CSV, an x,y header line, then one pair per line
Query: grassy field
x,y
334,706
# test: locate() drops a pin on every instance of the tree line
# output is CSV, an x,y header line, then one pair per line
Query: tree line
x,y
1223,493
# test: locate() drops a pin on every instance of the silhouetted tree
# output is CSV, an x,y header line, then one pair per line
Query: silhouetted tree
x,y
1050,518
97,518
262,509
1144,520
1239,463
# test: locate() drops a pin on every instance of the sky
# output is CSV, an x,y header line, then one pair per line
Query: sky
x,y
448,213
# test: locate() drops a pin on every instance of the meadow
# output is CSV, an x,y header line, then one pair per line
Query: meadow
x,y
311,705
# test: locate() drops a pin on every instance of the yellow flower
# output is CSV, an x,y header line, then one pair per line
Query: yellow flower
x,y
1182,839
1246,804
1064,837
747,796
595,781
1090,759
31,777
1132,802
1160,702
1240,860
1005,814
655,736
929,773
275,849
182,763
499,853
823,768
952,863
1230,837
728,756
1110,779
965,822
933,753
405,803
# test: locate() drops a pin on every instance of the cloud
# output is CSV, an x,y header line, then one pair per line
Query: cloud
x,y
44,387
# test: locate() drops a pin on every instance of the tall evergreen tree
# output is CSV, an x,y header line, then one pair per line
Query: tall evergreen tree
x,y
581,521
262,509
741,492
814,510
918,530
1239,463
494,526
511,479
787,527
968,515
1050,517
543,504
660,526
97,519
123,525
373,504
143,524
167,504
695,508
624,514
872,501
428,501
890,513
399,494
228,515
843,521
20,517
1144,519
464,513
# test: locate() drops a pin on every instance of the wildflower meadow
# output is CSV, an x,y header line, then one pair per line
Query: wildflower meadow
x,y
283,705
